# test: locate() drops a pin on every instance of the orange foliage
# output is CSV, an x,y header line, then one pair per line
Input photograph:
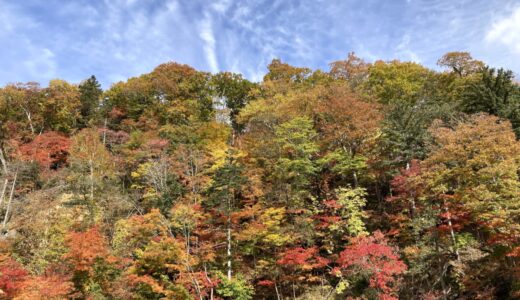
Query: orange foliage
x,y
346,120
374,256
45,287
85,247
49,149
12,275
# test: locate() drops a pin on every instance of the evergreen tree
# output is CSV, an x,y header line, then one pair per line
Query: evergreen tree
x,y
495,93
90,92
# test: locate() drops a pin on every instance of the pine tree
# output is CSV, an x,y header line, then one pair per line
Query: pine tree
x,y
90,92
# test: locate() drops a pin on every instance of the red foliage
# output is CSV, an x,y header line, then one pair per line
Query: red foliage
x,y
515,252
85,247
306,259
332,204
12,275
265,283
374,256
402,185
116,114
114,137
46,287
49,149
204,281
326,221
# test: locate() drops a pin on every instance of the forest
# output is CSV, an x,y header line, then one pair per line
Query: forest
x,y
371,180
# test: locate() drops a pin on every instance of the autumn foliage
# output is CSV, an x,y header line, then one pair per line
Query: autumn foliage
x,y
85,248
372,180
49,149
12,277
374,258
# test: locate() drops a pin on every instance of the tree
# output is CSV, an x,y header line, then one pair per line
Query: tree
x,y
405,134
495,93
461,63
90,261
158,270
171,93
92,165
302,265
225,194
264,233
137,231
50,150
477,163
159,184
85,248
370,258
352,203
236,92
283,72
90,94
48,286
461,203
236,288
12,276
346,132
353,69
296,167
396,81
21,105
61,106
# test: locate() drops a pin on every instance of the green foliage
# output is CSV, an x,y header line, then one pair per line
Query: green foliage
x,y
236,92
61,107
495,93
90,94
236,288
396,81
296,165
227,184
405,129
342,163
353,202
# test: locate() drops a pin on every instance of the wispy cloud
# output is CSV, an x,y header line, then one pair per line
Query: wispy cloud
x,y
41,63
206,34
506,31
117,39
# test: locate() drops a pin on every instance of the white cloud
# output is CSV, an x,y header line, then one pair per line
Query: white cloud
x,y
221,6
206,34
405,51
117,39
41,63
506,31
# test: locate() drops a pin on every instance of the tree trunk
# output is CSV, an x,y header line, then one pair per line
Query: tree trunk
x,y
10,201
91,167
91,200
209,280
229,249
452,232
229,254
441,269
28,115
4,188
278,297
4,162
105,132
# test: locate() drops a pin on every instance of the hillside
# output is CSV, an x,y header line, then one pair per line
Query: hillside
x,y
383,180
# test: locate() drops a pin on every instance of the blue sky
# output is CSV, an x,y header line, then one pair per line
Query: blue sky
x,y
117,39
